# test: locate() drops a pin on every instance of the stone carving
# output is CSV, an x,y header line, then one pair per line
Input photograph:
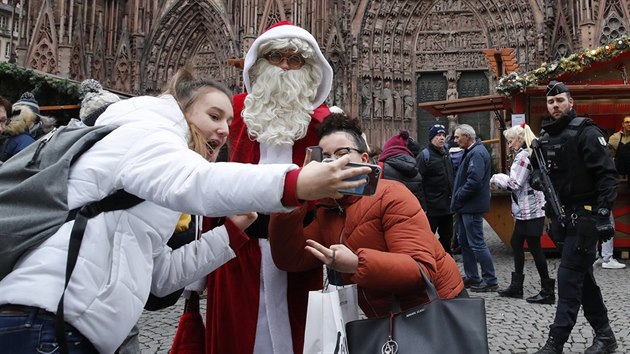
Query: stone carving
x,y
388,102
398,103
378,100
408,101
76,63
44,54
366,99
451,92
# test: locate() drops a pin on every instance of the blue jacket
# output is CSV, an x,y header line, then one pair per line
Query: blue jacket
x,y
472,183
17,143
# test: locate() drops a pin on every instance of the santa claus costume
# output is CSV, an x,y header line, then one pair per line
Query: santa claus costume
x,y
253,307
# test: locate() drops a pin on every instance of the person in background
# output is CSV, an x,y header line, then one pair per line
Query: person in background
x,y
94,101
254,307
528,210
585,180
376,242
374,153
619,144
471,198
399,164
455,153
23,122
5,110
159,153
436,168
413,146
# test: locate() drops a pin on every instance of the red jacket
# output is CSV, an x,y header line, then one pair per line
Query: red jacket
x,y
389,233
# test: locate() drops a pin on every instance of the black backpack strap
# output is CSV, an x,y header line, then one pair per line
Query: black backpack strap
x,y
119,200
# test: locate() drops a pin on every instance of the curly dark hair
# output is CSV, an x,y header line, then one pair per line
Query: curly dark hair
x,y
339,122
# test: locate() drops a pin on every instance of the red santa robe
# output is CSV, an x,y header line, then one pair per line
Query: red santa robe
x,y
234,289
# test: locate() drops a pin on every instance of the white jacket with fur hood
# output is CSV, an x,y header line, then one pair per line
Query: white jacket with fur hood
x,y
124,254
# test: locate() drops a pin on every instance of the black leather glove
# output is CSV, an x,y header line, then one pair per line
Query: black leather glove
x,y
535,180
604,225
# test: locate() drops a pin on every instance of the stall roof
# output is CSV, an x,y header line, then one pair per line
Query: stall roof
x,y
609,91
466,105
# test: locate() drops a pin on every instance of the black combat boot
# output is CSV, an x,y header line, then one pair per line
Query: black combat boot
x,y
551,347
603,343
515,289
547,295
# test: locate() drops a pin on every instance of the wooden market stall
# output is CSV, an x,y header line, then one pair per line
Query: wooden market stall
x,y
598,81
600,91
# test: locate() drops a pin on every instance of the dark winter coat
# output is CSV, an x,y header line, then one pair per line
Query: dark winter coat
x,y
437,180
471,191
402,168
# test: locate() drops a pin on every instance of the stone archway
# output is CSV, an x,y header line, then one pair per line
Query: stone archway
x,y
196,32
402,39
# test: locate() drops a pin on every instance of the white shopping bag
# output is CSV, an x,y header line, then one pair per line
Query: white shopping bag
x,y
328,312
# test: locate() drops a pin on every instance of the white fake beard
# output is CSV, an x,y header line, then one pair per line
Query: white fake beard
x,y
278,110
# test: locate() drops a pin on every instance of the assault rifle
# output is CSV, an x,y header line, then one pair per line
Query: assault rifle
x,y
550,193
502,141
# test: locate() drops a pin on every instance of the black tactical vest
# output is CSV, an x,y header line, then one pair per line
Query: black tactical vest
x,y
572,181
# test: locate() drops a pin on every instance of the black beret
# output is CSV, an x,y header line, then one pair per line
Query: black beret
x,y
556,88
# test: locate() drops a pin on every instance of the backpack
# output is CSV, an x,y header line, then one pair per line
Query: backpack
x,y
425,154
34,198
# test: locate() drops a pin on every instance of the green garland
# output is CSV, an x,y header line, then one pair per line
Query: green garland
x,y
575,62
49,90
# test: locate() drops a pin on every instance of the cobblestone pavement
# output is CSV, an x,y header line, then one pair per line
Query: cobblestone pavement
x,y
514,326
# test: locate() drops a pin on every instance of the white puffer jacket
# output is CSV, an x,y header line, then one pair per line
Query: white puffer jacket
x,y
124,254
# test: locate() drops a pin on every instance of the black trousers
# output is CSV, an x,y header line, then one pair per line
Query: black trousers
x,y
443,224
576,283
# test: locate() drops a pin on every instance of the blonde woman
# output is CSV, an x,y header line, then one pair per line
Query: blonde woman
x,y
527,209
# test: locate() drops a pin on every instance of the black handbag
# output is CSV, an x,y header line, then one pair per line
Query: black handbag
x,y
440,326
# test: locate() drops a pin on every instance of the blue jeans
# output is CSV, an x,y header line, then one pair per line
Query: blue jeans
x,y
33,332
474,248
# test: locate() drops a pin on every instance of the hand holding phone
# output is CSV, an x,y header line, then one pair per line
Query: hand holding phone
x,y
324,180
372,179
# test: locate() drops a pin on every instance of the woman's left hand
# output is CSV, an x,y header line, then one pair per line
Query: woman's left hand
x,y
337,257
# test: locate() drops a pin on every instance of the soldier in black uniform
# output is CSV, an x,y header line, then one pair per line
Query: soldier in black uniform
x,y
583,174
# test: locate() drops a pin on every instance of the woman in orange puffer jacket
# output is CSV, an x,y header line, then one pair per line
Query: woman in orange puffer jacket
x,y
375,242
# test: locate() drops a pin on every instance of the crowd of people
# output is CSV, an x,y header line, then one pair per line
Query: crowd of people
x,y
262,227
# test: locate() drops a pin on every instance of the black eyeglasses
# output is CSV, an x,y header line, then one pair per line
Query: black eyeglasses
x,y
342,151
294,60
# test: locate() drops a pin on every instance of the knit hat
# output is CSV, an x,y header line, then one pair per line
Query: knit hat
x,y
435,130
94,101
286,29
396,145
28,99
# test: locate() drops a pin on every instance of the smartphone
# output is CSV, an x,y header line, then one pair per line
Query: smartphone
x,y
372,178
316,153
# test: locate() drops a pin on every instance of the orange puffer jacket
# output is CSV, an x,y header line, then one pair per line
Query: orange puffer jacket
x,y
390,234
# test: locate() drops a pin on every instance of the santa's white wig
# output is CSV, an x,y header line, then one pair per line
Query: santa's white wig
x,y
278,109
287,30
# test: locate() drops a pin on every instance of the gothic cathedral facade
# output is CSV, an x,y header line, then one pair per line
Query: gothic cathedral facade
x,y
387,55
